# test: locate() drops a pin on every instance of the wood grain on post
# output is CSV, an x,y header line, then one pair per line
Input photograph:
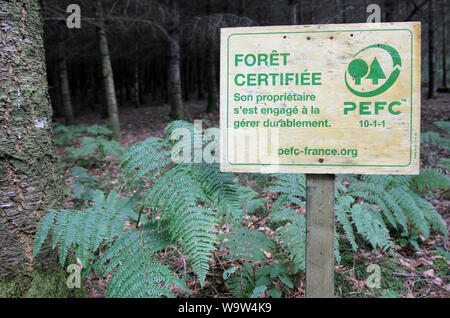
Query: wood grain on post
x,y
320,235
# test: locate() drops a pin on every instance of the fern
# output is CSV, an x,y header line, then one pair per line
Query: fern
x,y
251,202
291,236
431,179
291,187
242,282
342,211
65,134
371,226
248,245
90,145
145,159
135,272
85,230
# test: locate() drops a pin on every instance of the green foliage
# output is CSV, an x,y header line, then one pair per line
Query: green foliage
x,y
85,230
291,235
291,187
188,198
245,281
183,206
367,208
370,225
430,179
67,134
135,271
252,203
83,186
434,138
90,145
445,125
242,282
399,203
248,245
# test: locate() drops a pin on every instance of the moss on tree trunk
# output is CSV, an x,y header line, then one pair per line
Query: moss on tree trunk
x,y
29,177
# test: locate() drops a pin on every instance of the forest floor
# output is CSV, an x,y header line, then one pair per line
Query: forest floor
x,y
405,272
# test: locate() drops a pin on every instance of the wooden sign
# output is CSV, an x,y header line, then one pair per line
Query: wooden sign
x,y
341,98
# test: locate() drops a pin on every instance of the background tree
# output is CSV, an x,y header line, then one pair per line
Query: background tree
x,y
431,50
108,76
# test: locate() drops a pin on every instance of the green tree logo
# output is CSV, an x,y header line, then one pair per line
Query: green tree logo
x,y
359,70
376,72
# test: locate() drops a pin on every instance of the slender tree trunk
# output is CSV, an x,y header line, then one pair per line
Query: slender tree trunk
x,y
445,87
431,51
344,11
174,89
200,89
390,10
136,85
64,80
293,11
29,177
107,72
213,96
311,12
55,93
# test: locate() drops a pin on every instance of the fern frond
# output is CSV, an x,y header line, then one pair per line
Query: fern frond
x,y
247,244
177,194
432,179
291,236
219,188
371,226
135,272
89,145
342,210
145,157
405,200
292,188
85,230
242,282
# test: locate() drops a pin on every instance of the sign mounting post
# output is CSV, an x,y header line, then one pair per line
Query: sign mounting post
x,y
321,100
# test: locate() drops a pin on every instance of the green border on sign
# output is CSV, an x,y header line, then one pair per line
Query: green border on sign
x,y
301,164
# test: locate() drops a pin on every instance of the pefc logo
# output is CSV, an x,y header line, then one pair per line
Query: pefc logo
x,y
368,81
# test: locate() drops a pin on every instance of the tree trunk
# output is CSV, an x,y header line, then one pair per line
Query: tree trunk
x,y
390,10
175,93
108,77
64,80
55,93
29,177
445,87
344,11
431,51
213,96
200,89
293,11
136,85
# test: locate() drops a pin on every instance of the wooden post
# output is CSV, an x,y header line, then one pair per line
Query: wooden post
x,y
319,235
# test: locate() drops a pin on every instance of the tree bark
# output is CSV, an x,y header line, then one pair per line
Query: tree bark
x,y
431,51
108,76
213,95
445,87
136,85
390,10
293,11
175,92
64,80
29,177
200,89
